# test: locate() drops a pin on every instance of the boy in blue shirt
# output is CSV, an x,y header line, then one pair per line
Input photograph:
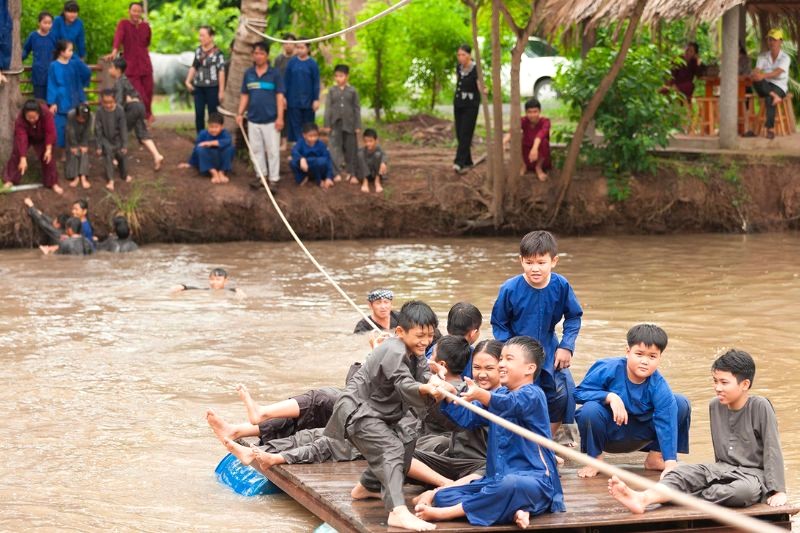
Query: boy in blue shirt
x,y
262,98
302,91
747,448
521,478
42,44
532,304
213,151
311,159
628,405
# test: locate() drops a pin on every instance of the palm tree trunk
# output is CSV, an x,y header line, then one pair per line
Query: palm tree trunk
x,y
9,91
499,171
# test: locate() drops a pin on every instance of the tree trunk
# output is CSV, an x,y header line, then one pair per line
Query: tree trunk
x,y
499,171
241,57
515,163
573,151
377,104
487,117
9,91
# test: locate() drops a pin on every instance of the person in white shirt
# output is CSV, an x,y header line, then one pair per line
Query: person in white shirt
x,y
771,76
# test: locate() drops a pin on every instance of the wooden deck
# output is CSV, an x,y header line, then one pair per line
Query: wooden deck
x,y
324,489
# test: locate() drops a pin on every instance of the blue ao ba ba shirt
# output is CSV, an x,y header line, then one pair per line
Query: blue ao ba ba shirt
x,y
42,47
263,91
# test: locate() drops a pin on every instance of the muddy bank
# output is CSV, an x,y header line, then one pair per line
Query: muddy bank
x,y
423,198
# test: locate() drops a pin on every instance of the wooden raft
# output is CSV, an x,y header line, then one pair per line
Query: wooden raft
x,y
324,489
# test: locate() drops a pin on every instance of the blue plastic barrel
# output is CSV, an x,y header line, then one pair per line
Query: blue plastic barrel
x,y
243,479
325,528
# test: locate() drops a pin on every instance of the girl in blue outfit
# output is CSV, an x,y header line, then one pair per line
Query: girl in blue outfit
x,y
302,91
69,27
41,44
66,78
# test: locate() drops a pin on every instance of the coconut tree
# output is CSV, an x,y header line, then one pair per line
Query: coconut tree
x,y
9,91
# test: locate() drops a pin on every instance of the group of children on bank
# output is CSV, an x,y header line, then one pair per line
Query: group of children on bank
x,y
393,413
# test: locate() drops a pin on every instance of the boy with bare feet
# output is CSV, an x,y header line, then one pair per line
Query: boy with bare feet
x,y
521,478
535,140
628,405
370,412
213,151
747,450
311,159
372,162
111,132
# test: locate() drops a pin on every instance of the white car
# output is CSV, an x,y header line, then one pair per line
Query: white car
x,y
538,67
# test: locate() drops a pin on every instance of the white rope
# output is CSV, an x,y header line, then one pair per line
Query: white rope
x,y
291,230
719,513
251,25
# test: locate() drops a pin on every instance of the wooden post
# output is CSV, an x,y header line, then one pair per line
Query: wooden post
x,y
9,91
729,82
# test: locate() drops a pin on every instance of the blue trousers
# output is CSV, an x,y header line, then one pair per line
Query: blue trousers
x,y
295,118
206,159
317,169
61,127
204,97
40,92
495,500
559,389
599,432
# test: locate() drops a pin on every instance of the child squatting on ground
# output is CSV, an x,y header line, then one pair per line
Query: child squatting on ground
x,y
372,162
748,466
311,159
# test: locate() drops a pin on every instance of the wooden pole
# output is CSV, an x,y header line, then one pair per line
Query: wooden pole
x,y
729,82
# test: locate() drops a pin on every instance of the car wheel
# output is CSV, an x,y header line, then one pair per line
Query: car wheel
x,y
544,90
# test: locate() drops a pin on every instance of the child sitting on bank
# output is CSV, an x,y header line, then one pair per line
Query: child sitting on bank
x,y
372,162
628,405
533,304
535,140
521,478
748,466
213,151
368,414
41,43
311,159
111,133
79,127
343,124
135,114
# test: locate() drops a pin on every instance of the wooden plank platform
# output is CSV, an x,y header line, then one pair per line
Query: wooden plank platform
x,y
324,489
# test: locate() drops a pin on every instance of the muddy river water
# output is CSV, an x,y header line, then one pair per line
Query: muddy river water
x,y
106,375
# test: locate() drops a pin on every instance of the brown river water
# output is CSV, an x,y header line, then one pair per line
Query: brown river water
x,y
106,376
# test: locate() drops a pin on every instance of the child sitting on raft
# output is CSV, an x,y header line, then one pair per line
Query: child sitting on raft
x,y
748,466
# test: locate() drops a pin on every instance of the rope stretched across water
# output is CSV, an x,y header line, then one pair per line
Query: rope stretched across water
x,y
291,230
718,513
253,25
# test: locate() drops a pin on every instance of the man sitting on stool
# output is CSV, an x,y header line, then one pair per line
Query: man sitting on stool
x,y
771,78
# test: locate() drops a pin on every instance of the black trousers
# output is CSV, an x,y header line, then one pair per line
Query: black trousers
x,y
465,119
204,97
763,88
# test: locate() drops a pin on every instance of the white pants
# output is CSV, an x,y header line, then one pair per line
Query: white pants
x,y
266,143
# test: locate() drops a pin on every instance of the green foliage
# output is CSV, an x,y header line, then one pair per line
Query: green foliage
x,y
634,117
134,205
99,18
175,24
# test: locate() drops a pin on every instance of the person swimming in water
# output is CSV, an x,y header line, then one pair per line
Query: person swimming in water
x,y
217,281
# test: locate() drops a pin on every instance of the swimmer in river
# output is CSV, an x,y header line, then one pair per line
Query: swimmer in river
x,y
217,280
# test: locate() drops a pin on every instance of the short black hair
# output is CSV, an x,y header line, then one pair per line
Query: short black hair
x,y
538,242
219,272
83,203
108,92
308,127
62,220
215,118
71,6
694,45
121,228
737,362
208,28
73,224
342,68
463,318
416,313
120,63
261,45
490,346
140,4
466,48
534,353
369,132
43,14
533,103
31,106
649,335
454,351
61,46
288,37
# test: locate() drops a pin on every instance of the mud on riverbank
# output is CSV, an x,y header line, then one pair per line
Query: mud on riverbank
x,y
423,198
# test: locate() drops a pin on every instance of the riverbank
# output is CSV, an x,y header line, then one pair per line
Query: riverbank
x,y
424,197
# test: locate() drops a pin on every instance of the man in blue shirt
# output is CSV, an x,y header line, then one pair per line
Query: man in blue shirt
x,y
263,98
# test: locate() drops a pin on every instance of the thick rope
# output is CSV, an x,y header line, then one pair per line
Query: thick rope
x,y
252,25
291,230
719,513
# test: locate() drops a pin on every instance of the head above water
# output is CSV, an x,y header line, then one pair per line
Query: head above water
x,y
121,228
217,278
80,208
520,361
453,352
380,303
416,324
464,320
72,226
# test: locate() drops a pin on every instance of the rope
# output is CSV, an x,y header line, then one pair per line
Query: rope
x,y
721,514
291,230
249,24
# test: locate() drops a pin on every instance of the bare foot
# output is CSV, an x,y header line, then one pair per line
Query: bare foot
x,y
365,186
587,471
215,179
85,182
559,460
625,495
74,182
157,162
268,460
222,429
541,175
522,519
253,412
378,188
329,183
110,185
776,99
337,178
360,492
654,461
401,517
184,165
128,179
245,455
223,178
353,180
426,498
57,189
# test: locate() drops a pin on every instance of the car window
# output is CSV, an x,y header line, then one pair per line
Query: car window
x,y
537,48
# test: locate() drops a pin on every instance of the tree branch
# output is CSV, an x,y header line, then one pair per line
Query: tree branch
x,y
509,19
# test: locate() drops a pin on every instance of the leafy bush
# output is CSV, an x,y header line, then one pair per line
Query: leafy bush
x,y
635,115
175,25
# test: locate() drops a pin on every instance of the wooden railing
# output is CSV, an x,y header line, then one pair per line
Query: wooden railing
x,y
99,81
